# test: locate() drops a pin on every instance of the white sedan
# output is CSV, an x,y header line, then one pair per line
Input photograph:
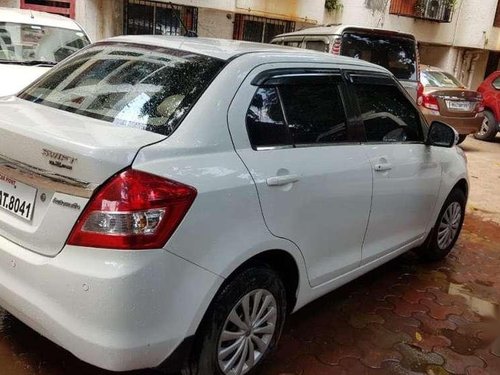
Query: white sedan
x,y
168,201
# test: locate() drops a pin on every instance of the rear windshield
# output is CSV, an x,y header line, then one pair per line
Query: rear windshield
x,y
396,54
438,79
36,44
128,85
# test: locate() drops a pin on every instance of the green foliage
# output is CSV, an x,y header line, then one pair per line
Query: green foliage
x,y
333,5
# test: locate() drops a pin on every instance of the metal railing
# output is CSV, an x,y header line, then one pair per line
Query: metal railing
x,y
433,10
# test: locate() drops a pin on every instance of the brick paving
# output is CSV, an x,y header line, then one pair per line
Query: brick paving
x,y
404,318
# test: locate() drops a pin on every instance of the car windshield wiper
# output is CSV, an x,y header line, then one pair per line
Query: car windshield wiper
x,y
30,62
37,62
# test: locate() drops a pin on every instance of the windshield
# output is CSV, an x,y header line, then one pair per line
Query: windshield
x,y
128,85
25,44
396,54
439,79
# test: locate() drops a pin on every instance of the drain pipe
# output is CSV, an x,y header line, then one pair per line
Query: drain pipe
x,y
464,71
474,61
458,63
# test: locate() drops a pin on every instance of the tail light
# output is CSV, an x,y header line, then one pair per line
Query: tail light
x,y
480,104
133,210
337,45
420,93
430,102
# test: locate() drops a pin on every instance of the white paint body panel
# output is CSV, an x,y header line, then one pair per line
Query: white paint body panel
x,y
331,179
14,78
125,310
403,197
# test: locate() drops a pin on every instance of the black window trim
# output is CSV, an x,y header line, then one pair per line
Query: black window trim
x,y
279,77
379,78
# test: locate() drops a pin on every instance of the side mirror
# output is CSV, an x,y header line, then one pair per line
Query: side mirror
x,y
442,135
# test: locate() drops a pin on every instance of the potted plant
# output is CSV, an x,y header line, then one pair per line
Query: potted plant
x,y
333,5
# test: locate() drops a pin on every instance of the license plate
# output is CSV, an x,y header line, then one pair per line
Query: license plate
x,y
17,198
459,106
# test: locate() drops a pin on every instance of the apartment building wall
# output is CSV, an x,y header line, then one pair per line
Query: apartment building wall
x,y
460,47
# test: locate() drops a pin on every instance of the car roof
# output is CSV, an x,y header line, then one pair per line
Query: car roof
x,y
336,29
225,49
32,17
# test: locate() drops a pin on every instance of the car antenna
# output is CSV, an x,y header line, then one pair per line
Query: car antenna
x,y
189,33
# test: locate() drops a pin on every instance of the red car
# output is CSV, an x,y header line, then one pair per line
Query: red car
x,y
490,89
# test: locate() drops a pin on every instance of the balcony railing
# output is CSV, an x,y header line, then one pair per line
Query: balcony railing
x,y
433,10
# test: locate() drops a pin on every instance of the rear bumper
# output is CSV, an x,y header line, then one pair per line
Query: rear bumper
x,y
119,310
463,125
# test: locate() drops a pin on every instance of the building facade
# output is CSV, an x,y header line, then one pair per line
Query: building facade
x,y
460,36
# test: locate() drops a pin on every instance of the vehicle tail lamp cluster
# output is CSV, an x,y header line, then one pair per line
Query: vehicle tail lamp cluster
x,y
428,101
337,45
133,210
480,103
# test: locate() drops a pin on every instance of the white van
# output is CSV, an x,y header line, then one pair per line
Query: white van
x,y
393,50
31,43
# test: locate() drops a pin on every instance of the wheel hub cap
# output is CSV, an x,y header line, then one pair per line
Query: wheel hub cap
x,y
484,127
247,332
448,227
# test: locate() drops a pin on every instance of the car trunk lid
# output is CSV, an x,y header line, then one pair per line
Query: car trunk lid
x,y
456,102
50,163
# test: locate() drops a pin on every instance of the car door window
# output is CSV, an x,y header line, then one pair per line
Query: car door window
x,y
300,112
293,43
387,114
314,113
317,45
265,120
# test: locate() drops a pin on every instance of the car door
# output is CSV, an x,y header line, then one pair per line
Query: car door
x,y
406,172
314,184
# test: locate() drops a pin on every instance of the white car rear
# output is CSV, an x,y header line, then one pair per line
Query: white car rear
x,y
166,201
31,43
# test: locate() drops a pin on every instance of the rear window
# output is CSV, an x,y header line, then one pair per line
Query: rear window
x,y
438,79
128,85
396,54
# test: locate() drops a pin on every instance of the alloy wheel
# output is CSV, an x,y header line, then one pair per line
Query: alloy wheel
x,y
449,225
485,126
247,332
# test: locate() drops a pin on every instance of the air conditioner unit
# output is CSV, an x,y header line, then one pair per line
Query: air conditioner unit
x,y
434,10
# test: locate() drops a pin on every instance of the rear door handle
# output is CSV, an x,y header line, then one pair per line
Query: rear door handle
x,y
382,167
282,180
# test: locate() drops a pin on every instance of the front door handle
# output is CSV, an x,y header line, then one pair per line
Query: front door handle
x,y
382,167
282,180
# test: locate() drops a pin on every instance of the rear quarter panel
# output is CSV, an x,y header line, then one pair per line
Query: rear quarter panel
x,y
224,227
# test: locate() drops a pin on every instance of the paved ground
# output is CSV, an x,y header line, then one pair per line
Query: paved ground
x,y
484,170
403,318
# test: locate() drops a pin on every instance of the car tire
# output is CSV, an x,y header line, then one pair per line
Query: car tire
x,y
488,129
461,138
447,229
220,330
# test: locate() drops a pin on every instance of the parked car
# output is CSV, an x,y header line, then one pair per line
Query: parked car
x,y
393,50
160,208
31,43
442,97
490,89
